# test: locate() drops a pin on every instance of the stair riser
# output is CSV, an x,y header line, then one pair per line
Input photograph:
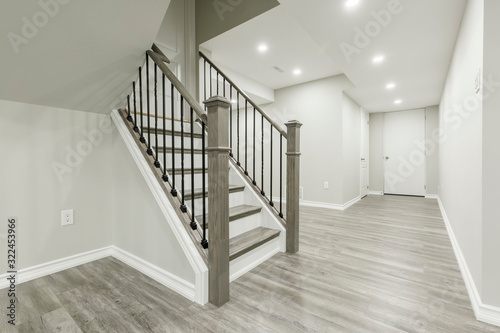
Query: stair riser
x,y
187,160
242,225
187,181
235,199
168,124
167,142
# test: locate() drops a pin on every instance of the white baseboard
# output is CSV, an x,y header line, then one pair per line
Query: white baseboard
x,y
431,196
376,193
167,279
486,313
38,271
329,205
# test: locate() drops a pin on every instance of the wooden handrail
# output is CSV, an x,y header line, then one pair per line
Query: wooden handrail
x,y
262,112
159,51
179,86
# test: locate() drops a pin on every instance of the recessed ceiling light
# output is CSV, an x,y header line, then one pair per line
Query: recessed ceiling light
x,y
390,85
297,71
262,48
351,3
378,59
398,101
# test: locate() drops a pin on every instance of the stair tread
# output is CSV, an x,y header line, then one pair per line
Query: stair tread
x,y
178,150
237,212
176,133
250,240
186,171
198,192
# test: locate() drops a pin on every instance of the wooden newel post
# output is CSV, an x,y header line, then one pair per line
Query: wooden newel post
x,y
292,186
218,199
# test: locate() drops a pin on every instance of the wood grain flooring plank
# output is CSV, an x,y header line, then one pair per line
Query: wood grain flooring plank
x,y
384,265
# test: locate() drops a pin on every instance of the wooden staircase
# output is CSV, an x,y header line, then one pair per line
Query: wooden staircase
x,y
232,223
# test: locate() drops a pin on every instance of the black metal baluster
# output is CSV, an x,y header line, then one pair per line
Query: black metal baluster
x,y
157,163
254,135
172,104
262,160
129,117
211,81
183,205
142,139
193,222
136,129
149,151
238,128
271,170
204,241
231,120
165,176
246,137
224,86
281,175
217,83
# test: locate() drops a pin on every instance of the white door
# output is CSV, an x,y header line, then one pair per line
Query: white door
x,y
365,133
404,173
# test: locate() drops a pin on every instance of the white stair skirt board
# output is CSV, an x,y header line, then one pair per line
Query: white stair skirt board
x,y
167,279
486,313
188,247
38,271
375,193
252,259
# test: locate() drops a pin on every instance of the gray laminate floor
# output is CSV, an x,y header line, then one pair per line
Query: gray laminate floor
x,y
384,265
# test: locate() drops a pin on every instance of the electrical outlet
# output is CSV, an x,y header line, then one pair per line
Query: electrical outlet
x,y
67,217
326,186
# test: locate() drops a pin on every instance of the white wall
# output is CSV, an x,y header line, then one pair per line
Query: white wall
x,y
319,106
491,155
351,142
460,155
377,152
33,141
139,226
432,149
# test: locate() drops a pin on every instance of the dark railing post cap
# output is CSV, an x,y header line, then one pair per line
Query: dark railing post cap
x,y
293,123
217,101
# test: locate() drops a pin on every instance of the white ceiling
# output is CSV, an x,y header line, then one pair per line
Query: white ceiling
x,y
417,43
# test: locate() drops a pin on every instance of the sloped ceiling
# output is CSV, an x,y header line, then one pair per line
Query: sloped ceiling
x,y
79,55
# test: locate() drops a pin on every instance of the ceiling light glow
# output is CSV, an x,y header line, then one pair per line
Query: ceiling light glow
x,y
297,71
398,101
390,85
378,59
262,48
351,3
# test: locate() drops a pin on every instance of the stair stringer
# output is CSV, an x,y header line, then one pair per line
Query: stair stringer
x,y
199,294
268,219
